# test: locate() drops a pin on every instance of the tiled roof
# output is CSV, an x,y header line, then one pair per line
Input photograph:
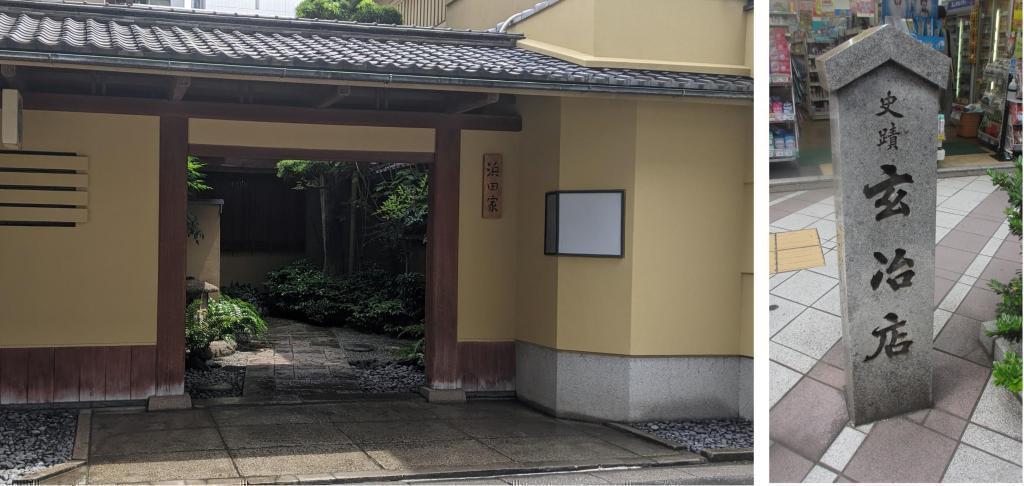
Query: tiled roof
x,y
194,41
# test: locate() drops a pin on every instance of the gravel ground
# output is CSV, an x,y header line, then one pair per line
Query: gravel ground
x,y
31,440
704,434
225,381
389,377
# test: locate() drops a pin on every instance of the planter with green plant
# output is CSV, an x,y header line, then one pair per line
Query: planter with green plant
x,y
1006,330
224,318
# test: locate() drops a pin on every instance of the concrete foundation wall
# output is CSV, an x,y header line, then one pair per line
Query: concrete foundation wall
x,y
603,387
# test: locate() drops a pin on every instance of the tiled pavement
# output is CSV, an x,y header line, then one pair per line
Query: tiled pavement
x,y
973,432
369,440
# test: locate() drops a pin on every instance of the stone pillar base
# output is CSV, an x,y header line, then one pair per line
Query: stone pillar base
x,y
436,395
169,402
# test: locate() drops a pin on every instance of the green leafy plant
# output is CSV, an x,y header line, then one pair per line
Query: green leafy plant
x,y
196,181
223,318
354,10
1007,373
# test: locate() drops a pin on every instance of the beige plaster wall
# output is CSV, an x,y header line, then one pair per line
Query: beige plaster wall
x,y
309,136
487,247
96,283
482,15
536,274
598,145
203,257
692,236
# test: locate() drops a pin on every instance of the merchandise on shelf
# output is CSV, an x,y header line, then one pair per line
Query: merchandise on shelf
x,y
782,143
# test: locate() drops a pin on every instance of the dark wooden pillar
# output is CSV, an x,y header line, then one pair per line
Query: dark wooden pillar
x,y
441,351
170,305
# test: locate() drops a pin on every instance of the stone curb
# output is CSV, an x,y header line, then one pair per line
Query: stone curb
x,y
671,444
465,473
825,182
729,454
79,453
296,400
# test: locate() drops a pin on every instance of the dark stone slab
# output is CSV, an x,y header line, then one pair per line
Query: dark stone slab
x,y
898,450
808,418
980,304
958,384
786,466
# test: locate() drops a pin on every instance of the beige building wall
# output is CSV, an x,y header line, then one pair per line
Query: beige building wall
x,y
203,256
95,283
536,274
487,247
481,15
598,147
691,228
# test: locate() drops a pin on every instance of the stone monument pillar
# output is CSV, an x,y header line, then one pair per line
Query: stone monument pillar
x,y
884,89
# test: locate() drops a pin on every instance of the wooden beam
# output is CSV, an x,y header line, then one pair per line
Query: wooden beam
x,y
170,299
179,88
282,153
340,93
441,343
267,113
474,102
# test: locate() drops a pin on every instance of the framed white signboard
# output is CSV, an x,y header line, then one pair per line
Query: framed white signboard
x,y
584,223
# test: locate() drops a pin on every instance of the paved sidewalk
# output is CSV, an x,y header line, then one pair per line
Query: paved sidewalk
x,y
973,432
367,440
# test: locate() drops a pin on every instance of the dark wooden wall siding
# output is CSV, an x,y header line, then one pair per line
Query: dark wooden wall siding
x,y
487,366
76,374
441,343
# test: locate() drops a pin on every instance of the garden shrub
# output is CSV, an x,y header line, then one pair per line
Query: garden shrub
x,y
1007,373
224,318
247,292
371,301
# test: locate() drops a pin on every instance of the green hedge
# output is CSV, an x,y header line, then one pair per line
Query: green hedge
x,y
370,301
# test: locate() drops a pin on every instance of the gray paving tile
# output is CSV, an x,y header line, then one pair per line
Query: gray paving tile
x,y
267,415
778,278
998,410
957,383
372,432
998,269
962,240
948,220
959,337
817,210
557,448
993,443
302,460
1009,250
829,375
808,418
150,468
786,466
952,259
794,221
980,304
541,479
139,422
789,357
267,436
805,287
898,450
978,226
830,302
944,423
110,442
781,380
970,465
942,287
781,312
447,453
812,333
842,449
826,229
831,268
820,475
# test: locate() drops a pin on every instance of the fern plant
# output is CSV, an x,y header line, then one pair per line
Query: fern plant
x,y
223,318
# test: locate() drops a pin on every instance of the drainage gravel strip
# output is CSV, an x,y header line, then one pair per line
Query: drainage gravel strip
x,y
698,435
32,440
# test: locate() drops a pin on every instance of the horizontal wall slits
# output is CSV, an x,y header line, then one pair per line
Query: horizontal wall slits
x,y
43,189
44,162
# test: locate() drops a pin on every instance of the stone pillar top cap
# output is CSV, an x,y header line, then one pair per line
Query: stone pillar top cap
x,y
876,46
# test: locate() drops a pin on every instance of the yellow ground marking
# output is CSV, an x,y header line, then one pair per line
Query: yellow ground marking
x,y
794,250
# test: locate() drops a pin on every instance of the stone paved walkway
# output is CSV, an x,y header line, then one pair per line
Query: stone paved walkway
x,y
973,434
369,440
305,361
